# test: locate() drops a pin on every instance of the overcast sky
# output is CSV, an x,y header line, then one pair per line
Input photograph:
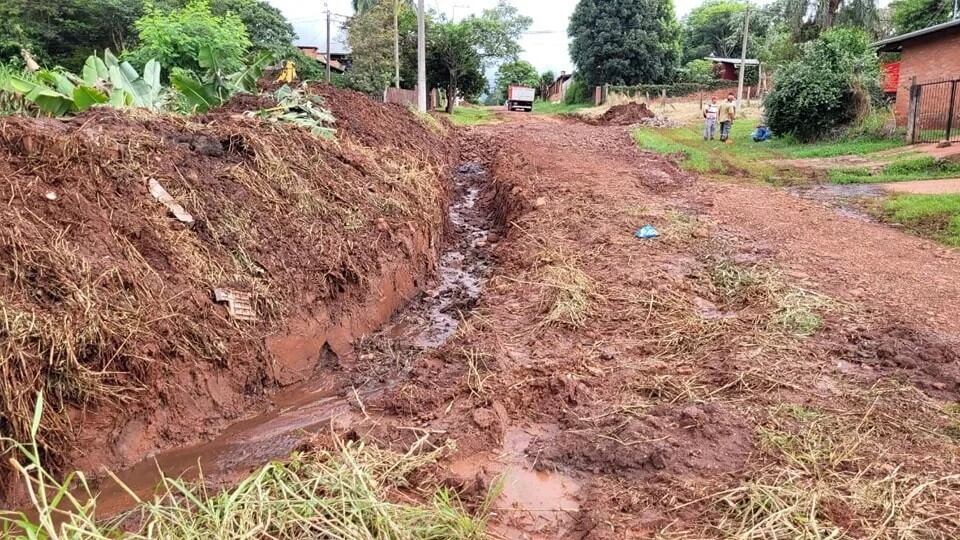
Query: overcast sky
x,y
545,46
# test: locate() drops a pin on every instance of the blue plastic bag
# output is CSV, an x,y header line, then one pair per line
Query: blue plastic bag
x,y
647,232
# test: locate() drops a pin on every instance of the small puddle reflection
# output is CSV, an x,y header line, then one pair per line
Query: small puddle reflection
x,y
534,504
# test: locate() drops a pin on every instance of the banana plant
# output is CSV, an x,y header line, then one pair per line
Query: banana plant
x,y
108,82
296,107
216,87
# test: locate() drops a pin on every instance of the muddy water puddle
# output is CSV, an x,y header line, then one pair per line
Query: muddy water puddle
x,y
847,199
428,321
534,504
435,316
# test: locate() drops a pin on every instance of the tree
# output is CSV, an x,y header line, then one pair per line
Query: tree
x,y
709,29
830,85
911,15
547,79
175,37
519,72
453,61
457,52
66,32
371,38
625,41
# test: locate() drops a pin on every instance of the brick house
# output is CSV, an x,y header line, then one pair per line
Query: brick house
x,y
927,55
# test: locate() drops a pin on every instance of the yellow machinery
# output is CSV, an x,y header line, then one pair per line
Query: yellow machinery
x,y
289,73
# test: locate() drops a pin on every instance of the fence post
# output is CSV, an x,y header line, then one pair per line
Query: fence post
x,y
951,109
912,111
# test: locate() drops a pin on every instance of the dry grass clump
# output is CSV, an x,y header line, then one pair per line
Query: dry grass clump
x,y
832,482
353,491
102,291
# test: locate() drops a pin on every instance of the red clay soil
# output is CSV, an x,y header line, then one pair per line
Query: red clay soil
x,y
691,375
627,114
108,300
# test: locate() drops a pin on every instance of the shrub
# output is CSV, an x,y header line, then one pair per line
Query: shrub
x,y
831,85
175,37
698,71
577,92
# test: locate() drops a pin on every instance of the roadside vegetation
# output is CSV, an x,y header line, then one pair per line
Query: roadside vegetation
x,y
937,216
469,115
351,491
546,107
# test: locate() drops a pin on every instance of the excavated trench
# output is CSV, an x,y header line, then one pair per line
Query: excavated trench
x,y
325,401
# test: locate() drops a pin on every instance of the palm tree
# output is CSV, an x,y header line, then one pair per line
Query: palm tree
x,y
363,5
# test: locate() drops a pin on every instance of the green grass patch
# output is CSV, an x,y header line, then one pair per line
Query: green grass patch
x,y
793,149
545,107
936,216
471,116
901,170
745,157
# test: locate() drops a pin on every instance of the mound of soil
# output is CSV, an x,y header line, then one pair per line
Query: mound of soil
x,y
109,300
626,114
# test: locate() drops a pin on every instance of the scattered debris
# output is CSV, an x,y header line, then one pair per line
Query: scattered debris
x,y
161,195
239,304
646,232
51,195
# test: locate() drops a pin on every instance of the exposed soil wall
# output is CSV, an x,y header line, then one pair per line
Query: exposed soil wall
x,y
107,300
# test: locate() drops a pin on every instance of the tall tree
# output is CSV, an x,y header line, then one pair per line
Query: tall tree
x,y
625,41
371,37
716,28
912,15
458,52
519,72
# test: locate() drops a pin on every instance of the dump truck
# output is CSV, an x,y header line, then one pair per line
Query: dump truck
x,y
520,98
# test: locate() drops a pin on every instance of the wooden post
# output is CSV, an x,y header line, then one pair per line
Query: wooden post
x,y
327,58
912,110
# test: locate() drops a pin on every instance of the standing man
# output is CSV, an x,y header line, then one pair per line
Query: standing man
x,y
728,113
710,114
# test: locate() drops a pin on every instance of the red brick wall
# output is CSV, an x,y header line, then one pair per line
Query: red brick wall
x,y
931,58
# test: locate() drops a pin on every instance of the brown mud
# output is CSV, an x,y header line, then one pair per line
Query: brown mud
x,y
108,300
327,400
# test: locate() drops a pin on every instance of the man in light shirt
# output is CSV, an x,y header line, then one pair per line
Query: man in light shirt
x,y
710,115
728,113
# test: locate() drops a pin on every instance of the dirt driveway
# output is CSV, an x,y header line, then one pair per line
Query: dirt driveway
x,y
765,368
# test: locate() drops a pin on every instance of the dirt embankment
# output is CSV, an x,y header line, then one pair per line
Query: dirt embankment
x,y
108,297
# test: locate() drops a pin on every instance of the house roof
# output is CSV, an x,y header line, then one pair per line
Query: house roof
x,y
564,77
895,42
748,61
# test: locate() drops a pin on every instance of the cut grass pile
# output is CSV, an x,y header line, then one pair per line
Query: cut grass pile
x,y
937,216
352,492
471,116
901,170
824,486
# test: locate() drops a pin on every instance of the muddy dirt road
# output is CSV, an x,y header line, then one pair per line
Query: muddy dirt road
x,y
767,367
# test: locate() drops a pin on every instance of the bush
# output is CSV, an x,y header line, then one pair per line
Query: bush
x,y
698,71
174,38
577,92
831,85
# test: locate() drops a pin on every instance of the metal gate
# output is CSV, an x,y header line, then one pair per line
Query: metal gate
x,y
934,111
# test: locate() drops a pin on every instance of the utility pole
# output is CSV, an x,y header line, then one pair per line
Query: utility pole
x,y
329,78
396,42
421,58
743,59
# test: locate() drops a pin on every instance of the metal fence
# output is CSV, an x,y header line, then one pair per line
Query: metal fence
x,y
934,111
